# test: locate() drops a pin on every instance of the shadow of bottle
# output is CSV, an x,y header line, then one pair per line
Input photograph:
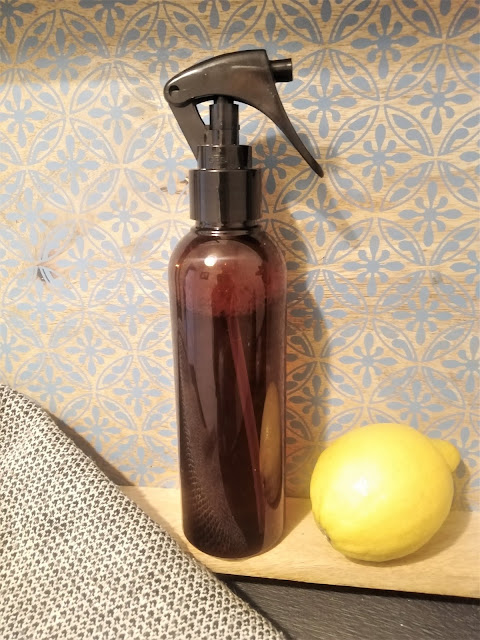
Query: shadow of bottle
x,y
308,389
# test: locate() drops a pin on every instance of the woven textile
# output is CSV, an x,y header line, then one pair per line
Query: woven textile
x,y
79,560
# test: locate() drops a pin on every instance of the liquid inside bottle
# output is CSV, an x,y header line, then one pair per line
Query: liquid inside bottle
x,y
228,311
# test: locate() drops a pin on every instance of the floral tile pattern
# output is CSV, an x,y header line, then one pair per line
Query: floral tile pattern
x,y
384,273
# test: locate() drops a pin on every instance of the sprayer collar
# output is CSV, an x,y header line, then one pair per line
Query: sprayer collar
x,y
222,197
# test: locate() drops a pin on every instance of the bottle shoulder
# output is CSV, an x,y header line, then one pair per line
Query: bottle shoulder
x,y
254,246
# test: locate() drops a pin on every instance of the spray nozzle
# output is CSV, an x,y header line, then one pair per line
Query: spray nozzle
x,y
244,76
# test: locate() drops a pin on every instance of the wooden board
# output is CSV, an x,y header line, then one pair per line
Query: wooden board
x,y
448,565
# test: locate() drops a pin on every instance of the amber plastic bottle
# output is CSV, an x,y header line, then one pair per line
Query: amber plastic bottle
x,y
227,293
227,289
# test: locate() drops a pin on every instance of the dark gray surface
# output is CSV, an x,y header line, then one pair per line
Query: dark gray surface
x,y
311,612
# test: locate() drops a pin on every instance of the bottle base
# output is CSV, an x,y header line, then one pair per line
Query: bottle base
x,y
229,553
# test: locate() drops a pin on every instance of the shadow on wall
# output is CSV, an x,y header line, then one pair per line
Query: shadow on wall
x,y
108,469
313,318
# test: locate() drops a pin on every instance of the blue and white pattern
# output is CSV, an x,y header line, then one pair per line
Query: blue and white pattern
x,y
382,255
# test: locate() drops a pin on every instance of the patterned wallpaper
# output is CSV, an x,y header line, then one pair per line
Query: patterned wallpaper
x,y
383,270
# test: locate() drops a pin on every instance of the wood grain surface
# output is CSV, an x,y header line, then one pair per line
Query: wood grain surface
x,y
448,565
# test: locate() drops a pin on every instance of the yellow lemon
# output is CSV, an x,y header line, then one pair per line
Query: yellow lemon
x,y
380,492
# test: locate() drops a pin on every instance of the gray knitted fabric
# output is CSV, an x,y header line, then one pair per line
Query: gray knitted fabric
x,y
79,560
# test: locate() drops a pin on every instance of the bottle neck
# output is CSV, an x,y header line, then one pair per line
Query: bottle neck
x,y
239,228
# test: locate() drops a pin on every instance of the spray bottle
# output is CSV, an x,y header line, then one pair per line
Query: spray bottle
x,y
227,283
